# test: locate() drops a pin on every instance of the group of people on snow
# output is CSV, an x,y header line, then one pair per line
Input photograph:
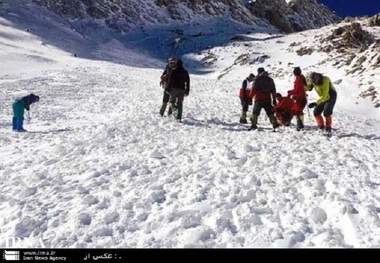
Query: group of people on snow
x,y
261,91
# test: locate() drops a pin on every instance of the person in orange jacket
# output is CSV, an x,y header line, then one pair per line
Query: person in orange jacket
x,y
284,109
245,100
298,93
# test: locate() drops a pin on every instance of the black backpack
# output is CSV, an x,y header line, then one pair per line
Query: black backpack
x,y
264,84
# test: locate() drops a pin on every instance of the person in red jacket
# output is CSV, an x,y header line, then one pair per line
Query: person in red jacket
x,y
284,109
245,100
298,93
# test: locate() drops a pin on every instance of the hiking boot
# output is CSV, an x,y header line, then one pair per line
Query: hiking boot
x,y
243,120
274,122
328,132
321,129
243,117
253,127
170,111
162,109
300,125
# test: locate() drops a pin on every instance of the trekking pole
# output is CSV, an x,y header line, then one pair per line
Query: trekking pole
x,y
308,110
28,119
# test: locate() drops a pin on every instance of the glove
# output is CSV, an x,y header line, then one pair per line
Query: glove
x,y
309,85
274,102
250,102
312,105
187,93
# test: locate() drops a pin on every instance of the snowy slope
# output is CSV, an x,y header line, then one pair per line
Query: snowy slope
x,y
100,168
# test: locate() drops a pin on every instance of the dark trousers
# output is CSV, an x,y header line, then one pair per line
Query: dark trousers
x,y
263,104
166,96
327,107
245,102
18,115
17,124
179,95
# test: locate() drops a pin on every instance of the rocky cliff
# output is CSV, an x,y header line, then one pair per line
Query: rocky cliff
x,y
286,16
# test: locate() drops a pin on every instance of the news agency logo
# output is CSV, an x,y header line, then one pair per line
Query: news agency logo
x,y
11,255
25,242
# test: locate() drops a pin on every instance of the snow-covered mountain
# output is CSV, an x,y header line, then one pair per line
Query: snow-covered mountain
x,y
126,31
100,168
287,16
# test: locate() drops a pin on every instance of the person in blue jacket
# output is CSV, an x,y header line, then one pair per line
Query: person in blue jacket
x,y
19,106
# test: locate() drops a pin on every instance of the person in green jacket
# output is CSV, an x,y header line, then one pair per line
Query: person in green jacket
x,y
326,101
19,106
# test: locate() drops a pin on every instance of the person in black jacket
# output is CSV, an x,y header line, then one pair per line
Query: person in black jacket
x,y
18,107
264,94
179,87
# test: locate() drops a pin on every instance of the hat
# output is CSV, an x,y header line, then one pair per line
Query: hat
x,y
313,76
260,70
316,78
297,71
172,60
278,95
251,76
34,98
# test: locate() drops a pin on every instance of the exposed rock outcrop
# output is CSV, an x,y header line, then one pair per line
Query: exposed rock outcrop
x,y
374,21
297,15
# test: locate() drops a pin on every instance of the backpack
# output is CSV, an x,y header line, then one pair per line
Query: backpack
x,y
164,80
165,77
284,117
264,84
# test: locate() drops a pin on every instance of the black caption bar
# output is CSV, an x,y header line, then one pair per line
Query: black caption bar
x,y
154,254
70,255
